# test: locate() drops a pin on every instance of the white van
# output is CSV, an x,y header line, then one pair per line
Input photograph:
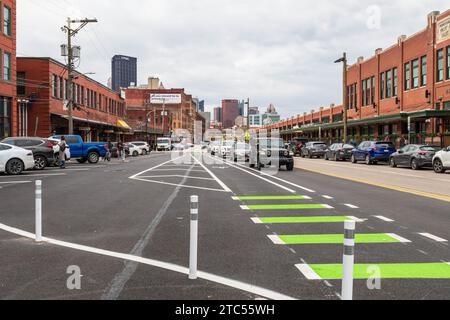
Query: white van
x,y
164,144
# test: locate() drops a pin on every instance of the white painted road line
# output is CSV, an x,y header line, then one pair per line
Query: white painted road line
x,y
384,218
235,198
178,185
175,176
308,272
327,197
37,175
432,237
156,167
15,182
266,293
257,220
276,239
220,182
255,175
357,219
351,206
397,237
245,208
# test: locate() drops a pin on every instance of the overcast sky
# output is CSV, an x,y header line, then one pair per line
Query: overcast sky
x,y
278,52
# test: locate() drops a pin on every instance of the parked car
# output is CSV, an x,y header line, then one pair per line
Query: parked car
x,y
43,152
414,156
314,149
214,147
297,145
241,151
164,144
144,146
441,161
15,160
372,152
273,150
134,150
83,151
339,152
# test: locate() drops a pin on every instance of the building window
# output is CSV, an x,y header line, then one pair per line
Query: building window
x,y
54,86
415,74
355,90
440,65
423,71
21,83
448,63
382,84
66,89
7,66
95,100
7,21
367,92
407,76
389,84
5,117
363,93
395,82
372,83
61,88
83,102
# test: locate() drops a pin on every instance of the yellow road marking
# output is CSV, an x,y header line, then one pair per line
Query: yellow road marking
x,y
383,185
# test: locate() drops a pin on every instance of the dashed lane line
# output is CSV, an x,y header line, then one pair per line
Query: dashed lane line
x,y
351,206
433,237
384,219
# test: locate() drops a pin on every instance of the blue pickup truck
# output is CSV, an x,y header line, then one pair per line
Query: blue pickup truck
x,y
82,151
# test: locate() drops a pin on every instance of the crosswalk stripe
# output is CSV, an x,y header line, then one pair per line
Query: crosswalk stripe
x,y
387,271
370,238
287,207
276,239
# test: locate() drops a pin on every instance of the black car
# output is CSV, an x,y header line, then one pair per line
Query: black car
x,y
314,149
415,156
271,151
339,152
43,151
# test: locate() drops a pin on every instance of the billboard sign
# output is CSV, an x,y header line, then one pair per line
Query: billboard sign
x,y
443,30
157,98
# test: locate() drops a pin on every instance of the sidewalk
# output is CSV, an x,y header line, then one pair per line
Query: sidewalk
x,y
423,182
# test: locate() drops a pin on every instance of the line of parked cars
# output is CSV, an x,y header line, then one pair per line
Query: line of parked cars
x,y
415,156
18,154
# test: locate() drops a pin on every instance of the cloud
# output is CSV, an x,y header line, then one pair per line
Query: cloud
x,y
279,52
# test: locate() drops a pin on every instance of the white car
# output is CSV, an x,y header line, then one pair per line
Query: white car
x,y
241,151
134,150
441,161
56,148
164,144
144,146
14,160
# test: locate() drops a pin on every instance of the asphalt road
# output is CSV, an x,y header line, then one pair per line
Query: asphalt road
x,y
111,219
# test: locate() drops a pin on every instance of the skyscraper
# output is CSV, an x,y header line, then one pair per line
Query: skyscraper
x,y
201,106
230,111
124,72
218,114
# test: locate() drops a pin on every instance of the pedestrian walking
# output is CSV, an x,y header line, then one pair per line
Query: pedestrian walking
x,y
403,141
62,152
108,148
121,151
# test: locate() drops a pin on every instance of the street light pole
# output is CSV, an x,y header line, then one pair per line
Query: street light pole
x,y
248,113
344,100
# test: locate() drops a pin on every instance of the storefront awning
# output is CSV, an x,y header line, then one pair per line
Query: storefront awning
x,y
122,124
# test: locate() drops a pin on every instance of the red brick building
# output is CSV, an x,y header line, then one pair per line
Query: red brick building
x,y
8,111
408,82
230,111
166,110
43,92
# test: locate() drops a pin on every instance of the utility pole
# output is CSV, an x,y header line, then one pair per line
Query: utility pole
x,y
69,52
248,113
344,100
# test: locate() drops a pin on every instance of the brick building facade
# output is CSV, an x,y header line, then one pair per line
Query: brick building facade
x,y
8,111
166,110
407,83
43,92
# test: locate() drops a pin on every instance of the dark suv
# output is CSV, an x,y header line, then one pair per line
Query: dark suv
x,y
43,151
273,151
314,149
